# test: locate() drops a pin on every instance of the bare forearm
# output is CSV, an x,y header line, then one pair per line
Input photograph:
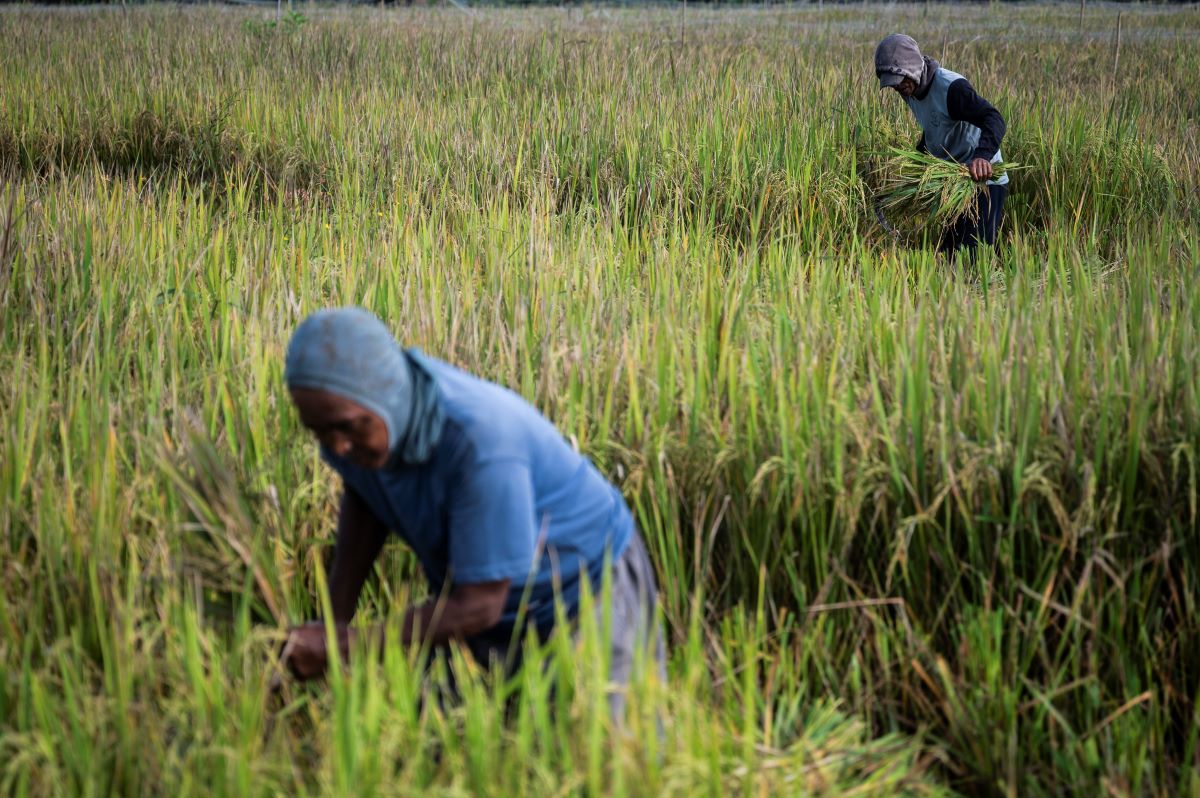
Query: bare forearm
x,y
439,622
469,610
351,566
360,538
426,622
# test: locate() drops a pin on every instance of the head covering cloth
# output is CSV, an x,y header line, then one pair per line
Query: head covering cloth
x,y
898,57
349,352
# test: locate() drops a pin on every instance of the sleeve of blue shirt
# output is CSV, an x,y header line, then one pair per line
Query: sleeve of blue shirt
x,y
492,529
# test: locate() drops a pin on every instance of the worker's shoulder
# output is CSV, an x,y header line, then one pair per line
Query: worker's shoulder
x,y
964,102
490,420
948,77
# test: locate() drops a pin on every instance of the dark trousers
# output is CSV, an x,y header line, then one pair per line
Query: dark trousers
x,y
979,227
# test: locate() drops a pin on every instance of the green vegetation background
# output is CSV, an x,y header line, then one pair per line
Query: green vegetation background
x,y
919,526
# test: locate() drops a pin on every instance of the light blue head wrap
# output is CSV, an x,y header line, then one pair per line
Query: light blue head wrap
x,y
351,353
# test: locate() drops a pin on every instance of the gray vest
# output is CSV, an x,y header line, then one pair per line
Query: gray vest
x,y
946,138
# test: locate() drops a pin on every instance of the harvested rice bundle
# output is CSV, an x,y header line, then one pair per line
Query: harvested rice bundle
x,y
915,183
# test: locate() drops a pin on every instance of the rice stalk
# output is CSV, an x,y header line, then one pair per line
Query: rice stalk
x,y
916,183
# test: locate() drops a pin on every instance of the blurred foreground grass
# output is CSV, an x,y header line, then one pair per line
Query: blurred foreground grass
x,y
915,523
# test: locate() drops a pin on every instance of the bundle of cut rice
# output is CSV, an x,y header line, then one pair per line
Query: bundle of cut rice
x,y
911,182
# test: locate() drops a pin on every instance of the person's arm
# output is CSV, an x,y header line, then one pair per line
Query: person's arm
x,y
921,143
360,537
965,105
491,545
492,535
467,611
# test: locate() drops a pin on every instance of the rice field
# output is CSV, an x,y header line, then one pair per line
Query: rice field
x,y
921,527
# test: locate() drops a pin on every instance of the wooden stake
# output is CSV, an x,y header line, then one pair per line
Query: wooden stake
x,y
1081,16
1117,49
682,13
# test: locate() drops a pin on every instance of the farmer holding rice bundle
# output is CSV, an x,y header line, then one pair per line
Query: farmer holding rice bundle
x,y
957,125
503,515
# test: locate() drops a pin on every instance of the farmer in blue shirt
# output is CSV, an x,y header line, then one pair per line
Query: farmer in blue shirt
x,y
956,125
502,514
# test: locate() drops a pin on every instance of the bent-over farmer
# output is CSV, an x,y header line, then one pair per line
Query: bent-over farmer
x,y
956,125
495,504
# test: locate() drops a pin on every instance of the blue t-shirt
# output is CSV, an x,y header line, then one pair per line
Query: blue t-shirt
x,y
503,497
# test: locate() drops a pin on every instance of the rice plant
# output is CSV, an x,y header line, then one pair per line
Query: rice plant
x,y
920,529
916,183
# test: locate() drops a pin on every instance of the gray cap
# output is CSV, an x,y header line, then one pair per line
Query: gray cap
x,y
897,57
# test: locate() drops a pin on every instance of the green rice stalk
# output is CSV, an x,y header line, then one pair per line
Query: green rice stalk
x,y
911,182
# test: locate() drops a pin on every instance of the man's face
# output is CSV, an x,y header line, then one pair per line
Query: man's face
x,y
343,427
906,88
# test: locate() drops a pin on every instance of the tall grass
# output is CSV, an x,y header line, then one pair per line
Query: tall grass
x,y
916,527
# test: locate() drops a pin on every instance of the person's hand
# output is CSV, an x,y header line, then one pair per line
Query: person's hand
x,y
304,653
980,169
